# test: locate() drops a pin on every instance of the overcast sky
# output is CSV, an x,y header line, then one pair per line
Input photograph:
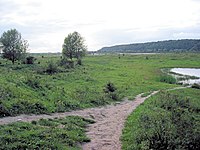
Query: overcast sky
x,y
45,23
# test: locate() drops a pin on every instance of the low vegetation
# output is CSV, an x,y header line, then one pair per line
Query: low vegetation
x,y
168,120
48,87
62,134
167,79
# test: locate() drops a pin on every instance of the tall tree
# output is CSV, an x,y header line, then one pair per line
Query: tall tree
x,y
13,46
74,46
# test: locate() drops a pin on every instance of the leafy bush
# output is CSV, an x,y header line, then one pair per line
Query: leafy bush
x,y
156,131
30,60
168,79
110,88
79,62
51,68
66,63
4,111
111,91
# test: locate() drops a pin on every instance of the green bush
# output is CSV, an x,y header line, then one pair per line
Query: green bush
x,y
67,63
51,68
30,60
79,62
167,79
155,131
109,88
111,91
4,111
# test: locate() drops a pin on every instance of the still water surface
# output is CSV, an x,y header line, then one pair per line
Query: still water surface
x,y
189,72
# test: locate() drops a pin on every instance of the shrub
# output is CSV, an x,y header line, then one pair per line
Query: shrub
x,y
30,60
168,79
66,63
196,86
156,131
51,68
4,111
111,91
110,88
79,62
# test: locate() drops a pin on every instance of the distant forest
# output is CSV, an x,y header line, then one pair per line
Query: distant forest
x,y
185,45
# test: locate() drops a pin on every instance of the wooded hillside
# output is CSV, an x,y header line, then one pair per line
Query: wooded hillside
x,y
185,45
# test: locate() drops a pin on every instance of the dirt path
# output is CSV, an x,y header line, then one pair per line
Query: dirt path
x,y
105,133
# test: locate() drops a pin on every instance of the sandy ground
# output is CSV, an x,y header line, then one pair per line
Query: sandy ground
x,y
105,133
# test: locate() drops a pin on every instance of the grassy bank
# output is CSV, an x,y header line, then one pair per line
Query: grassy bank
x,y
62,134
168,120
27,89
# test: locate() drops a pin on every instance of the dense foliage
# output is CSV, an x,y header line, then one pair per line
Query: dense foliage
x,y
167,121
13,46
185,45
62,134
74,46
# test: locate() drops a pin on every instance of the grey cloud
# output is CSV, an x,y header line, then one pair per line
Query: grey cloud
x,y
126,36
7,6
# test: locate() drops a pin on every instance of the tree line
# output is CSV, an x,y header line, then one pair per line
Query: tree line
x,y
14,47
184,45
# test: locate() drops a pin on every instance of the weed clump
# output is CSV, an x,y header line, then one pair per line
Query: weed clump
x,y
64,62
51,68
110,87
111,91
29,60
168,79
4,111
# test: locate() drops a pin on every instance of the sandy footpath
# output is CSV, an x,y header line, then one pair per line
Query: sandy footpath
x,y
105,133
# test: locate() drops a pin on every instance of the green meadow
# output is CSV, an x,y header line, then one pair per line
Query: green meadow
x,y
27,89
31,89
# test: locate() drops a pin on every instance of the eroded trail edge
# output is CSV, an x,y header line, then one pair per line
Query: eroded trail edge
x,y
109,121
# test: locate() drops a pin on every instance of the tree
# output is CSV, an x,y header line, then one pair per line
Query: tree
x,y
74,46
13,46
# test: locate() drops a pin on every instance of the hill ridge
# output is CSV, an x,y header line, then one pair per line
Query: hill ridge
x,y
181,45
